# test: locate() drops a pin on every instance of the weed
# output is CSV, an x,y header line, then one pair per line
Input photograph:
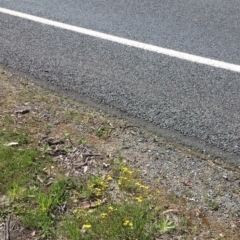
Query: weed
x,y
99,133
14,162
82,140
16,192
126,220
71,115
45,202
46,148
58,193
38,220
73,229
165,225
87,118
103,132
8,119
213,205
93,187
184,222
19,137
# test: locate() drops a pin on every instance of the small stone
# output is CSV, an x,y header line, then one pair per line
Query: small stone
x,y
225,177
233,226
85,168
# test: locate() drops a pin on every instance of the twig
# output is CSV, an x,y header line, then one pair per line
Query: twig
x,y
129,126
91,155
7,231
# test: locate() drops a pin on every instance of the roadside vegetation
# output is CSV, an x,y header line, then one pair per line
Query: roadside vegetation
x,y
56,184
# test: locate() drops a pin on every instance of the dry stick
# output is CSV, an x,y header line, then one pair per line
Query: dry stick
x,y
129,126
91,155
7,231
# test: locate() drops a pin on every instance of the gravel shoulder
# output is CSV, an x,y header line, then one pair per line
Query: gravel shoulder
x,y
209,189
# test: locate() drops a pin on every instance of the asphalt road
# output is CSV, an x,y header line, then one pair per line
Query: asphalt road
x,y
198,101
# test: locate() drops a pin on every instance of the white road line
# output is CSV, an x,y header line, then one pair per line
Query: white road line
x,y
127,42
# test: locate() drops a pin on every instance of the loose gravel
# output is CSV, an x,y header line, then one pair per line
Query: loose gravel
x,y
212,188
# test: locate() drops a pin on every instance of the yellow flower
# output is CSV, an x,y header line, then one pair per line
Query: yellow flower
x,y
75,192
108,178
78,210
138,184
110,208
139,199
103,215
127,223
75,210
126,170
86,226
123,178
130,224
98,192
104,186
75,200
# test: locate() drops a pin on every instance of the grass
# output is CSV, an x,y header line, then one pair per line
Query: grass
x,y
111,202
134,216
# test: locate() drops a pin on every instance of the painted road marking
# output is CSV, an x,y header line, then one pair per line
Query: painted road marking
x,y
127,42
